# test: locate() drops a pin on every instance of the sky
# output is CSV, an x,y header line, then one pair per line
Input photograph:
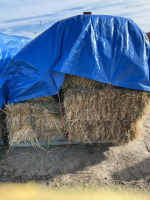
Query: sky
x,y
22,17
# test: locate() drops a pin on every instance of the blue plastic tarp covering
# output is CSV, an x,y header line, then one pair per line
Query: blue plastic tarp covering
x,y
103,48
10,45
4,55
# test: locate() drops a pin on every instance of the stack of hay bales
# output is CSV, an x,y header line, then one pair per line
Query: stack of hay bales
x,y
92,114
35,120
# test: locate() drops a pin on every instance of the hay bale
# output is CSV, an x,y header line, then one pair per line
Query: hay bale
x,y
72,81
116,117
33,120
1,125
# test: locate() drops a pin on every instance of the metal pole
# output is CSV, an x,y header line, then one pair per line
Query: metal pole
x,y
41,26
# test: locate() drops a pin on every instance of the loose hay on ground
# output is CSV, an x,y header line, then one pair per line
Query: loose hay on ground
x,y
116,117
34,120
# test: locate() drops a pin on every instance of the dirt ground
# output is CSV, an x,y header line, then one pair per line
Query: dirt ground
x,y
82,165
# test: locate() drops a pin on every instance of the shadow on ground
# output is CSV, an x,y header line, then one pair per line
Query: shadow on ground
x,y
26,164
135,172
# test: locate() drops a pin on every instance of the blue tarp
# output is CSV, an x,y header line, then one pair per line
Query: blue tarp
x,y
10,45
103,48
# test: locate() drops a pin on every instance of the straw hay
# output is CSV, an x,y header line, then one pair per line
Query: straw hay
x,y
34,120
1,125
72,81
3,129
116,117
90,114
